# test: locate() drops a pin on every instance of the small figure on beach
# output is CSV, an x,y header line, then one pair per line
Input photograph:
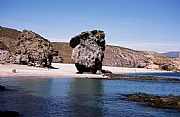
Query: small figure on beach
x,y
14,71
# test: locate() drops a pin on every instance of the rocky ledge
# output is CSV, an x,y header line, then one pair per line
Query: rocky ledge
x,y
170,101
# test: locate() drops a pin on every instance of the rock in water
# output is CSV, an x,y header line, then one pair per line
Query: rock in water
x,y
9,114
32,49
88,50
2,88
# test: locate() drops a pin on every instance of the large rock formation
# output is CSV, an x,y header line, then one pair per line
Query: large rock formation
x,y
26,47
88,52
32,49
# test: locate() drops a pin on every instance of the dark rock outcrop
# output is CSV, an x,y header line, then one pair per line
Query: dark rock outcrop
x,y
9,114
88,50
2,88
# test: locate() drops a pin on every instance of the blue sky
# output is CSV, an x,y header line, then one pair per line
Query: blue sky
x,y
152,25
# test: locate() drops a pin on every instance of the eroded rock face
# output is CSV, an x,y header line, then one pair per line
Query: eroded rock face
x,y
32,49
88,50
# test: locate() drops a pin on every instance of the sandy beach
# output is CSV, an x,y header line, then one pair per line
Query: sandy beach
x,y
63,71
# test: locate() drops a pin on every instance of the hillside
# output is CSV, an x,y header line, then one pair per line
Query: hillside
x,y
114,55
123,57
64,50
8,38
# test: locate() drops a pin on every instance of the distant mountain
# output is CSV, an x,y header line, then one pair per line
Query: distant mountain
x,y
172,54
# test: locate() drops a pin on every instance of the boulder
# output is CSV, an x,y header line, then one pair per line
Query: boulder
x,y
88,50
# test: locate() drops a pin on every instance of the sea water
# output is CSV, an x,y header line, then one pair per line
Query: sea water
x,y
75,97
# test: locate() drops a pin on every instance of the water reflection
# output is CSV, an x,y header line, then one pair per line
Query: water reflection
x,y
43,86
86,94
81,97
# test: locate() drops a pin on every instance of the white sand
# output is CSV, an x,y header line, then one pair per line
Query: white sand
x,y
64,71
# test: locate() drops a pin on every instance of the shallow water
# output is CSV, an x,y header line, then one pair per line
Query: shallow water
x,y
52,97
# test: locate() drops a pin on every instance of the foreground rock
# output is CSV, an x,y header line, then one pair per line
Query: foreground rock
x,y
9,114
88,50
170,101
2,88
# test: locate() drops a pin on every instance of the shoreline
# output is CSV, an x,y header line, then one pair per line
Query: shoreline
x,y
64,71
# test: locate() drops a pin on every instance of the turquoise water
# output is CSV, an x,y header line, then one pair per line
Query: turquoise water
x,y
52,97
